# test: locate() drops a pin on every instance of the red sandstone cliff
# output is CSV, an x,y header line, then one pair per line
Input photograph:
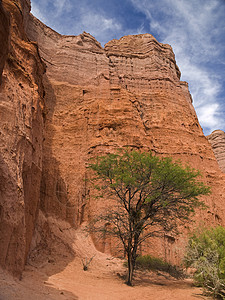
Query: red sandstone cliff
x,y
4,37
217,140
96,100
21,127
128,93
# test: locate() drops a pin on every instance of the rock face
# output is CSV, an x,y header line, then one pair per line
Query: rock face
x,y
21,127
95,101
4,37
217,140
98,100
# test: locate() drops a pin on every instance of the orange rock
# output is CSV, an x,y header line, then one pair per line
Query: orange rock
x,y
4,37
21,128
217,140
96,100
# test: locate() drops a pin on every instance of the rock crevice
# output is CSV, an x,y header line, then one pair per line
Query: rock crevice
x,y
21,129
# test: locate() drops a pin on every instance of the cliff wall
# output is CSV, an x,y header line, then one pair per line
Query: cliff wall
x,y
217,140
21,128
90,101
4,37
100,99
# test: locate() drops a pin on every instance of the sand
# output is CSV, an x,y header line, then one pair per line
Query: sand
x,y
104,279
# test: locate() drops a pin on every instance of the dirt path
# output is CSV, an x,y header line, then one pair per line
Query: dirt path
x,y
55,274
102,281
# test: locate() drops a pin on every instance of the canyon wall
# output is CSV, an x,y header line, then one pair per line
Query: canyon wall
x,y
65,99
100,99
217,140
21,128
4,37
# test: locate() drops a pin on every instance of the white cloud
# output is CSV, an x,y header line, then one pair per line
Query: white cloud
x,y
49,11
83,18
208,115
205,91
37,13
98,25
193,28
61,5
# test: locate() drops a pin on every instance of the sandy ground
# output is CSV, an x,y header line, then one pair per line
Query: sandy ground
x,y
58,274
104,280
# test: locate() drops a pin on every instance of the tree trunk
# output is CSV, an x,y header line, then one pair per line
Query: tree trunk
x,y
131,254
130,270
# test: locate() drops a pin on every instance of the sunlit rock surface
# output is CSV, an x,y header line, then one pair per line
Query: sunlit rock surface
x,y
90,101
217,140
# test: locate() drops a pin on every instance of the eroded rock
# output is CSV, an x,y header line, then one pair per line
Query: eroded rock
x,y
21,128
98,100
217,140
4,38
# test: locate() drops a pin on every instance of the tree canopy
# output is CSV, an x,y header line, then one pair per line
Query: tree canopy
x,y
151,195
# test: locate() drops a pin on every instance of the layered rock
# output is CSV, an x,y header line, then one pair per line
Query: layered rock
x,y
4,37
217,140
98,100
21,128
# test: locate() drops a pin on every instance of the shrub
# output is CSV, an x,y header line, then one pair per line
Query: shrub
x,y
206,254
148,262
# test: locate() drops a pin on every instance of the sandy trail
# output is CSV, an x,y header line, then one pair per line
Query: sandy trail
x,y
59,275
101,281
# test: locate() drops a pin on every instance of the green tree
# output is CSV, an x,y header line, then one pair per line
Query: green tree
x,y
151,195
206,253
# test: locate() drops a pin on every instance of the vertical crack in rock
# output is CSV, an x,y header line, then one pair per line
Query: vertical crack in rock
x,y
21,128
4,38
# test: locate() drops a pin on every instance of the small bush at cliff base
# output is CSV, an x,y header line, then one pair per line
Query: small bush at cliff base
x,y
206,253
148,262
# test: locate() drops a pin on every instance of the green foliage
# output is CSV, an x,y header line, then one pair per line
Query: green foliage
x,y
152,195
148,262
206,253
154,186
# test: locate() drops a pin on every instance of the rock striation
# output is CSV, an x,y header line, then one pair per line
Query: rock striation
x,y
100,99
4,37
217,140
65,99
21,128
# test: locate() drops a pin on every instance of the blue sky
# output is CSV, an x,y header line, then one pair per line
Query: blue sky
x,y
194,28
